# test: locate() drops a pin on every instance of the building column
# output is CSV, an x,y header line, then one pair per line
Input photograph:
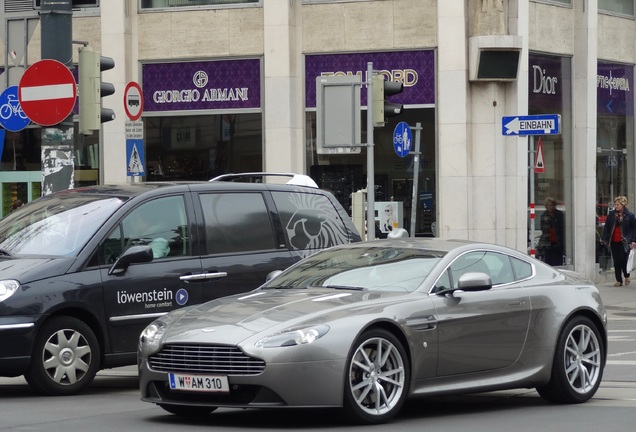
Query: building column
x,y
454,190
283,99
584,71
116,42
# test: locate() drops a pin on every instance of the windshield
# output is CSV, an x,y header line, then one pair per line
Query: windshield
x,y
60,225
368,267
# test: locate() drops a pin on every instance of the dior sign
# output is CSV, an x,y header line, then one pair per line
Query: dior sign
x,y
542,83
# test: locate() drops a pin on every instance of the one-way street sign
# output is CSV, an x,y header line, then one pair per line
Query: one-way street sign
x,y
544,124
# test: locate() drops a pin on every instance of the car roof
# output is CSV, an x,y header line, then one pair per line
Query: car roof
x,y
129,190
433,243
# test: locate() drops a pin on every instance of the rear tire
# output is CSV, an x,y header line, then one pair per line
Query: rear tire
x,y
66,357
377,378
578,364
188,411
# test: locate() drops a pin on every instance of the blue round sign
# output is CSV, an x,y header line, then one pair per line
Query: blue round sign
x,y
402,139
12,118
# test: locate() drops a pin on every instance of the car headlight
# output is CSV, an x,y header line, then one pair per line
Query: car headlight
x,y
293,337
151,336
8,288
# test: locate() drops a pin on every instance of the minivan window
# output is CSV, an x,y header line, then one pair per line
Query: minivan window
x,y
236,222
161,224
58,226
311,221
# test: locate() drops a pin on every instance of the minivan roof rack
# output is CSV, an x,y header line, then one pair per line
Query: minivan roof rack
x,y
296,179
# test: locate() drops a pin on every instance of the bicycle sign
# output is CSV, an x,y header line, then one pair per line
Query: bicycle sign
x,y
12,118
402,139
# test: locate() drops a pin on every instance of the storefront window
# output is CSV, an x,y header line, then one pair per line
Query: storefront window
x,y
346,172
200,147
615,143
550,93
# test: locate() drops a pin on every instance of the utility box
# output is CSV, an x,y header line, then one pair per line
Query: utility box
x,y
358,210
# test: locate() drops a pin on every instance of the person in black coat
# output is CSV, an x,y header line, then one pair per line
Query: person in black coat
x,y
552,241
619,233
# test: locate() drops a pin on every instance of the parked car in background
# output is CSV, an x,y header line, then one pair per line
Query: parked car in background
x,y
365,326
84,271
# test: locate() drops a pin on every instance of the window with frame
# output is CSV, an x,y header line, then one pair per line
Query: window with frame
x,y
623,7
163,4
236,222
161,224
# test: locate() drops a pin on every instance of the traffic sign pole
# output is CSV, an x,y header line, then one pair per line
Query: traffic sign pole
x,y
532,216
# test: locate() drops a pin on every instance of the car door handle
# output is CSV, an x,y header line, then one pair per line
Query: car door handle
x,y
516,303
202,276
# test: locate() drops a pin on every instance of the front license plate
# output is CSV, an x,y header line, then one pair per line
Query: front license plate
x,y
203,383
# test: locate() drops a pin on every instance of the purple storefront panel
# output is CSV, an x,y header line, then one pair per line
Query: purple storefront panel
x,y
415,69
203,85
545,82
613,89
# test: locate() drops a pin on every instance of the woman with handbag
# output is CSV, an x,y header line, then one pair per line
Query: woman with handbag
x,y
619,233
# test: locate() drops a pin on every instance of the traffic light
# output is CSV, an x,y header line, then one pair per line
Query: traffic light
x,y
92,90
382,109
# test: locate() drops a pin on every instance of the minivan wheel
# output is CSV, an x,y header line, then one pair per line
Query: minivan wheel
x,y
65,357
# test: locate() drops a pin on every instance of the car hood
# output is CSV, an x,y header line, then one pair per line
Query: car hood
x,y
233,319
26,270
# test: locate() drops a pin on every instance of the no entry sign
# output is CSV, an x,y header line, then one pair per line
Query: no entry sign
x,y
47,92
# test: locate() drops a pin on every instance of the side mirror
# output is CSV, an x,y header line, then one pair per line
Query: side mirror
x,y
271,275
132,255
474,281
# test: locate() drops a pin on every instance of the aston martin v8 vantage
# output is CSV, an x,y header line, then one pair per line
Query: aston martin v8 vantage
x,y
365,326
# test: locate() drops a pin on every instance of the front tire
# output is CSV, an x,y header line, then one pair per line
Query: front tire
x,y
66,357
377,378
578,363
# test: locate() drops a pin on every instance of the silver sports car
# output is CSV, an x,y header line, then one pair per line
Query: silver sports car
x,y
367,325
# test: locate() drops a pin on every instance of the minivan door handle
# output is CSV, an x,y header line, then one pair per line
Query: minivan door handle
x,y
202,276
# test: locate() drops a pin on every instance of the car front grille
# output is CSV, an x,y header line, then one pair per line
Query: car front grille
x,y
205,359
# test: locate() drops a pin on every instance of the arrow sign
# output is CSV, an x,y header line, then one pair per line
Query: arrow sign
x,y
545,124
47,92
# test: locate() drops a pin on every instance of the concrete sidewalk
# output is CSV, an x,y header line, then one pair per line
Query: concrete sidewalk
x,y
620,302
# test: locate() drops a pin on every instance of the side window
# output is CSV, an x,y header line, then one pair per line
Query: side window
x,y
467,263
443,283
522,269
499,267
310,221
236,222
160,224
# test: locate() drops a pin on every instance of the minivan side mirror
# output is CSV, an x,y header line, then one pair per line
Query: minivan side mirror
x,y
271,275
132,255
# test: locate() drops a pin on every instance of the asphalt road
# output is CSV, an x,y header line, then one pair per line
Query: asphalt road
x,y
112,403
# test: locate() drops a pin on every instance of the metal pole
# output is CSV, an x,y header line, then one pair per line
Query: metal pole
x,y
531,165
416,175
370,159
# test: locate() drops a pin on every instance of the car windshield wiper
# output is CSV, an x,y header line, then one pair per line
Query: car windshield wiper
x,y
286,287
344,287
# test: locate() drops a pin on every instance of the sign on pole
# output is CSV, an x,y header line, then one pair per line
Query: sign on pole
x,y
402,139
338,128
544,124
47,92
133,101
539,163
12,117
135,148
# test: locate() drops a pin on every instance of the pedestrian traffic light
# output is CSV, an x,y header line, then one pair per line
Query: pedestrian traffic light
x,y
92,90
382,109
